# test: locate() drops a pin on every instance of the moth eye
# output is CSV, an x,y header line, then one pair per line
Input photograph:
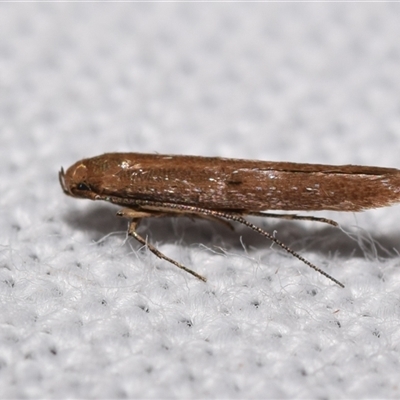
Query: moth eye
x,y
82,186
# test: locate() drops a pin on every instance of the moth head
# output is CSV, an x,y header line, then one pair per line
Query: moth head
x,y
75,181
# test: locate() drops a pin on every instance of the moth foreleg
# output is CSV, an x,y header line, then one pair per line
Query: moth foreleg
x,y
136,216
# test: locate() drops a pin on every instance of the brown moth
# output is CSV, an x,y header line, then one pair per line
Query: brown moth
x,y
155,185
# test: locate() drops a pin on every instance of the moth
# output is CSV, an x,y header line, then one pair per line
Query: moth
x,y
224,189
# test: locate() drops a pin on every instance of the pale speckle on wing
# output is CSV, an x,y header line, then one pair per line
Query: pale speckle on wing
x,y
313,189
125,164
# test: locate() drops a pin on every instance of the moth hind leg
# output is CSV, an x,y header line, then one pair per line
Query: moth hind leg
x,y
294,217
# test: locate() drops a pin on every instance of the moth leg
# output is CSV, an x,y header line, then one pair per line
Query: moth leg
x,y
294,217
238,217
214,219
137,216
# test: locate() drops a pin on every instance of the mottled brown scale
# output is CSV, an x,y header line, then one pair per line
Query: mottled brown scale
x,y
150,185
231,184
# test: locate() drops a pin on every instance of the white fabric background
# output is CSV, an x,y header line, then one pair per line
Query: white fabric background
x,y
86,313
